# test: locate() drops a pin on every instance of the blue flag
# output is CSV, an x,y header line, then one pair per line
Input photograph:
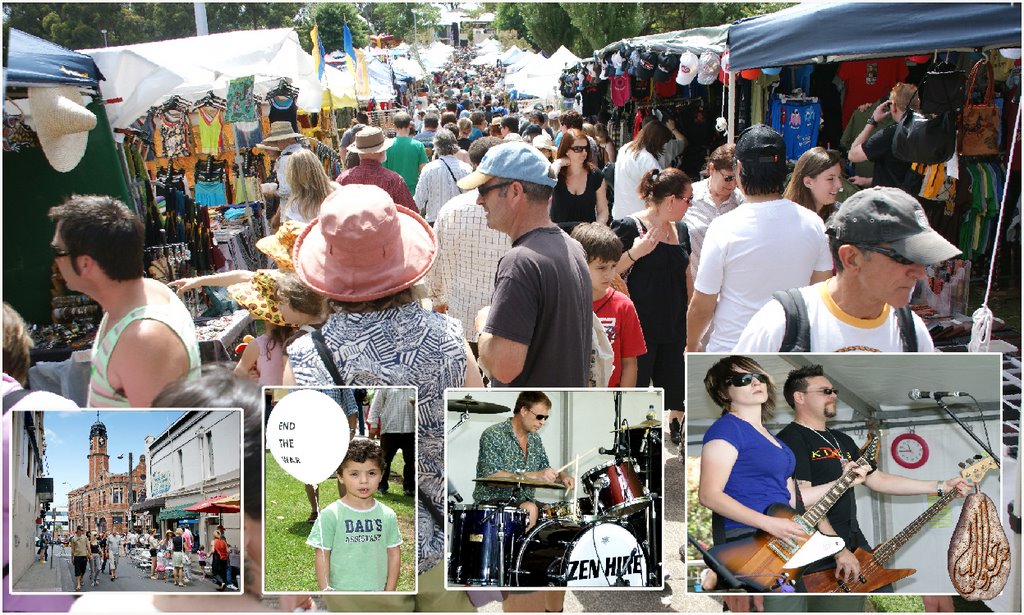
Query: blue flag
x,y
348,45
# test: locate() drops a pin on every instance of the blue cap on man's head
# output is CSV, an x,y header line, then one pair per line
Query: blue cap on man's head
x,y
514,160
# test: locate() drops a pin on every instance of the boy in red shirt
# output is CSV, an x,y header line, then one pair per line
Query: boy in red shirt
x,y
613,308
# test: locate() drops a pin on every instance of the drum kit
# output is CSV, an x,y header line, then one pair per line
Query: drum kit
x,y
608,536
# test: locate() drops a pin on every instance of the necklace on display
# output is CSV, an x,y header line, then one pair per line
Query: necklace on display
x,y
833,442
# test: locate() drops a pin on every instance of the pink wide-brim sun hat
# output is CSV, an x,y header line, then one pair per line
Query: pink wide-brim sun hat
x,y
363,246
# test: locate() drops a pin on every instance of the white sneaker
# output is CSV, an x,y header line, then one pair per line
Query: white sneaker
x,y
231,586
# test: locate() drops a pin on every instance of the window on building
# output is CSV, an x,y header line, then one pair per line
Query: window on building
x,y
209,451
181,468
116,519
115,495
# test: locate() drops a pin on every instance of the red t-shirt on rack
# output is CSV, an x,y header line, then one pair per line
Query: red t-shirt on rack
x,y
869,80
618,317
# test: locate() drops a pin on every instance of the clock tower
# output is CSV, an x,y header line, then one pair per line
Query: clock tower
x,y
99,461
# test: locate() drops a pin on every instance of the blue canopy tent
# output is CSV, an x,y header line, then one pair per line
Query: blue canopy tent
x,y
31,61
825,32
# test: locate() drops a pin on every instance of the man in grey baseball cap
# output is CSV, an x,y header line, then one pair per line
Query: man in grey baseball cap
x,y
881,243
537,330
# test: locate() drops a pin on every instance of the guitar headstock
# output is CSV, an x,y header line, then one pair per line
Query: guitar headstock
x,y
975,468
869,452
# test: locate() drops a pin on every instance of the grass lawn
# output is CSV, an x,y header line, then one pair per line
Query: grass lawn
x,y
289,561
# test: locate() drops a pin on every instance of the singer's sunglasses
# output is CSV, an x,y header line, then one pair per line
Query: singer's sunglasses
x,y
826,391
742,380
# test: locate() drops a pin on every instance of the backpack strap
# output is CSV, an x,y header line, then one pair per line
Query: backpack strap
x,y
908,332
325,356
11,399
798,327
684,236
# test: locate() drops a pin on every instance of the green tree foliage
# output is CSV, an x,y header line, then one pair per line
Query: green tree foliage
x,y
396,18
331,18
508,18
601,23
549,26
668,17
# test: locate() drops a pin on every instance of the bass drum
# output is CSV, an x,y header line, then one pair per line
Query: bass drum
x,y
563,553
476,543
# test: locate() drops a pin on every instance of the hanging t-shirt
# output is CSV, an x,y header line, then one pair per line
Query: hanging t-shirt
x,y
175,133
869,80
620,90
798,122
210,126
240,105
284,109
358,541
622,325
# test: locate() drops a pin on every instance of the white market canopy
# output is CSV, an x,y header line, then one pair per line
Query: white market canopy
x,y
144,75
436,56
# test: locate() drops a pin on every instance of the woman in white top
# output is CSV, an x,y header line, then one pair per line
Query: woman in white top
x,y
310,186
636,158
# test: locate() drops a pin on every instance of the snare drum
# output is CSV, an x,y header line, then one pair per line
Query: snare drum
x,y
556,510
564,553
616,489
475,543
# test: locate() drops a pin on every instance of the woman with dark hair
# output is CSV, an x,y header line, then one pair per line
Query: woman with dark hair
x,y
816,181
634,160
656,262
580,194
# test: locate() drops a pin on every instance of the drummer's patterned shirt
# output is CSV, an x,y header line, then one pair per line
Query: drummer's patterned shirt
x,y
500,452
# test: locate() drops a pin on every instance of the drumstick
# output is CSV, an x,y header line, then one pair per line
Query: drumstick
x,y
577,459
576,488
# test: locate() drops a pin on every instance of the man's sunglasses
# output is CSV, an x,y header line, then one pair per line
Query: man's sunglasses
x,y
485,190
59,251
540,417
742,380
826,391
893,254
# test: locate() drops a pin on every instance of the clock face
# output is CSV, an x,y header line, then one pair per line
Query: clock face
x,y
102,441
909,450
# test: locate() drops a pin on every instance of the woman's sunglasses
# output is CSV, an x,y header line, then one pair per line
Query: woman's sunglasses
x,y
742,380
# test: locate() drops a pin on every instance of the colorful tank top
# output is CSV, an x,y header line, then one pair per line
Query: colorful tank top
x,y
175,133
211,123
173,314
284,109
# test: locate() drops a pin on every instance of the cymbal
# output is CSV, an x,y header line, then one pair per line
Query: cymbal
x,y
468,404
648,424
526,482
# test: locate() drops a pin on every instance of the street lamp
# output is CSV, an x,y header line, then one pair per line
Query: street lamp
x,y
104,33
128,495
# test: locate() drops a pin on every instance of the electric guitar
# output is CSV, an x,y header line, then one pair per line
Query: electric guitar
x,y
872,574
772,563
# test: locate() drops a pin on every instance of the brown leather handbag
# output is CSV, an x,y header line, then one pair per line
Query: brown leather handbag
x,y
979,553
979,123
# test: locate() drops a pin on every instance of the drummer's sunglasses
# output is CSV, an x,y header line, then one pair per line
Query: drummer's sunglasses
x,y
742,380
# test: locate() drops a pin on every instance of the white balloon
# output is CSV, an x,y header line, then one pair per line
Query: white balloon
x,y
308,435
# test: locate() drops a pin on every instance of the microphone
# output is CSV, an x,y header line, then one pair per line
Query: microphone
x,y
919,394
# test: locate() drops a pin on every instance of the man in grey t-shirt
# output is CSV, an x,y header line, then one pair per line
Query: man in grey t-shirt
x,y
114,549
537,330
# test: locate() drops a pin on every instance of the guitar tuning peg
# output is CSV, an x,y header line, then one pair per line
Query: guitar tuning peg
x,y
962,464
978,456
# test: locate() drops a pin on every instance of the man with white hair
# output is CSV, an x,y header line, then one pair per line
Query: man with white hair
x,y
439,180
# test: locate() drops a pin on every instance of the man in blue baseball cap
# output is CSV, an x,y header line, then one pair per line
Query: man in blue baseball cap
x,y
537,330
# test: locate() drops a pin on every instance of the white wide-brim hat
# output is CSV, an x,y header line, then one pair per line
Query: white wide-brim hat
x,y
62,124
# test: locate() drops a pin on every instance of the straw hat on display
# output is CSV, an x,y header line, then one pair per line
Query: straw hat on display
x,y
62,124
363,246
279,131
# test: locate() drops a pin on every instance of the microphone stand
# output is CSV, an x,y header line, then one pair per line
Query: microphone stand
x,y
968,431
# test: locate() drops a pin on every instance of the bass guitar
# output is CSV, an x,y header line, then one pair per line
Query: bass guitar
x,y
773,564
872,572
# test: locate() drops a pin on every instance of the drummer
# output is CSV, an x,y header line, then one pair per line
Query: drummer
x,y
513,449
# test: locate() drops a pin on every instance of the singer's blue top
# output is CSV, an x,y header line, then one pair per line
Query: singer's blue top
x,y
758,478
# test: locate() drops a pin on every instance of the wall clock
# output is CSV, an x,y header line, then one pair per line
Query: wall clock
x,y
909,450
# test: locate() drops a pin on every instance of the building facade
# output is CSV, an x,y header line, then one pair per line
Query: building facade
x,y
195,459
28,492
103,503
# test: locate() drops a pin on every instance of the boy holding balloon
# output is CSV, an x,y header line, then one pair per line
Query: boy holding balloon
x,y
356,538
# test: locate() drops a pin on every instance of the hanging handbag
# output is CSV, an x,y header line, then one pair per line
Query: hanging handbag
x,y
979,123
929,140
942,89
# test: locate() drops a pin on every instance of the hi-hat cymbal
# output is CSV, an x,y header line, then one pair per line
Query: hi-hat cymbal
x,y
648,424
514,480
473,406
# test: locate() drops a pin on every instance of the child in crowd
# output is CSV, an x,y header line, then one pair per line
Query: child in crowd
x,y
613,308
201,554
284,304
356,538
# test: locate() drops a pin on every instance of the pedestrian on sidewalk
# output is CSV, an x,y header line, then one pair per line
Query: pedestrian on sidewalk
x,y
94,557
115,543
44,541
104,551
187,543
153,543
79,555
178,557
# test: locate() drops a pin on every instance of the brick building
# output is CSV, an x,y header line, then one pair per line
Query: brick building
x,y
102,504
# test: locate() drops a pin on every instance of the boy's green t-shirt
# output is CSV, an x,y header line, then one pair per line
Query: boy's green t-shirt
x,y
405,157
358,541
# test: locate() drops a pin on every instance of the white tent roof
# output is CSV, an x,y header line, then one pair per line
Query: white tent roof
x,y
490,58
489,46
143,75
511,54
380,80
559,61
407,67
435,56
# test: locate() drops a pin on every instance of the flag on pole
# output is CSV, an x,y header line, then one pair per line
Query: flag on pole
x,y
350,52
318,52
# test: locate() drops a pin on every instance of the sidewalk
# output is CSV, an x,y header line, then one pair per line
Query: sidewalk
x,y
41,578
